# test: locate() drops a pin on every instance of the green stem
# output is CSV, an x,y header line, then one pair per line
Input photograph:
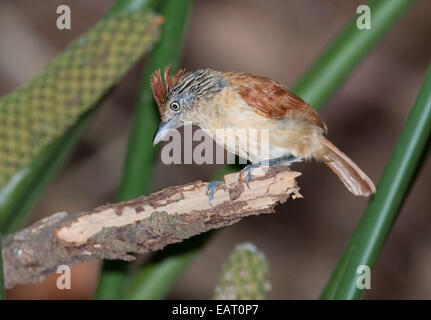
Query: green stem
x,y
346,51
157,276
377,220
112,277
139,164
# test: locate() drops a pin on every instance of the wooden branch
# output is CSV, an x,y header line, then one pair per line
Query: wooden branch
x,y
145,224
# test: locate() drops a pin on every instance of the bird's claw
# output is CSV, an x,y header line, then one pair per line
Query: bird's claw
x,y
249,167
211,189
286,159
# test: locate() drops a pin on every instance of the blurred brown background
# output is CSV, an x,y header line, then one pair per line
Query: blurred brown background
x,y
278,39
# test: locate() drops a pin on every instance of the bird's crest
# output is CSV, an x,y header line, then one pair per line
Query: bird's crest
x,y
160,89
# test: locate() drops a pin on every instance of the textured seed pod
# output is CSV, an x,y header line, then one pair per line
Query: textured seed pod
x,y
244,275
36,114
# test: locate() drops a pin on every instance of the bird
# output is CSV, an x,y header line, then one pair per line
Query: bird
x,y
215,100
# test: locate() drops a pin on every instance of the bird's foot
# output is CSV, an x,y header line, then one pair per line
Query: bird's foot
x,y
211,189
285,159
250,168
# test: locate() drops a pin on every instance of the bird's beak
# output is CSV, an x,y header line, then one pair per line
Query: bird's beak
x,y
164,129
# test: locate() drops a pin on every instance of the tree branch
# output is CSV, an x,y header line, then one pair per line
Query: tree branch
x,y
145,224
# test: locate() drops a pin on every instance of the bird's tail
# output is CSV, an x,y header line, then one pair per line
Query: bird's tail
x,y
355,180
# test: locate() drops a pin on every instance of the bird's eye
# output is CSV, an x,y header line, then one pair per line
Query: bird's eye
x,y
175,106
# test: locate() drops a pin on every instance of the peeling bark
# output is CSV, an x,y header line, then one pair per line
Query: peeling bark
x,y
116,231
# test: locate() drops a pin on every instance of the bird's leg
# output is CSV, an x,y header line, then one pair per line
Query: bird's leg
x,y
271,162
211,189
284,159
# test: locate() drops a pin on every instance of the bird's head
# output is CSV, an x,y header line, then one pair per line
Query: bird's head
x,y
180,94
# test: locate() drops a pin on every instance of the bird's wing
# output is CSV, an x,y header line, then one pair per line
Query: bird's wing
x,y
271,99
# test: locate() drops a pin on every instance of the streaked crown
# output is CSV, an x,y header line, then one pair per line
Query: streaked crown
x,y
160,90
184,87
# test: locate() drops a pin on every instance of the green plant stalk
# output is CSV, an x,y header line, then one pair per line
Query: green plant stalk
x,y
113,277
379,216
322,79
157,276
140,159
146,284
141,154
346,51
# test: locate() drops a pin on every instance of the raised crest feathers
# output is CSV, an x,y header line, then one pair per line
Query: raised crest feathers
x,y
160,89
